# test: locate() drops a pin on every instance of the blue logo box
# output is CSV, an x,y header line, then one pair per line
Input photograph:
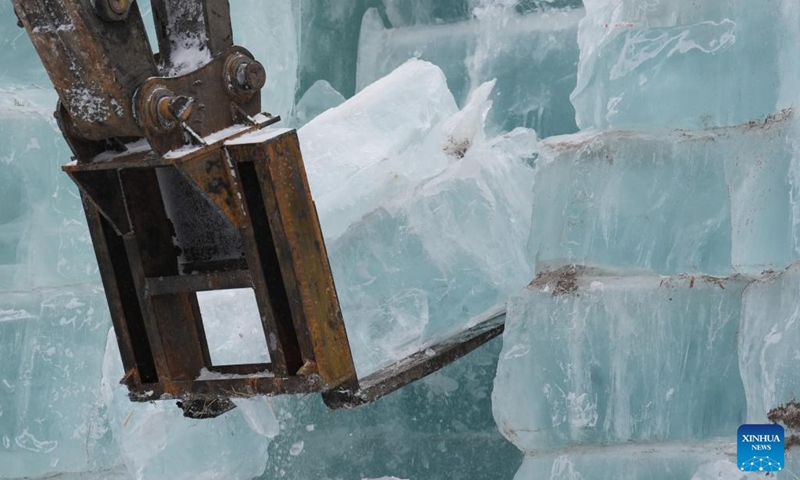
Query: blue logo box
x,y
760,448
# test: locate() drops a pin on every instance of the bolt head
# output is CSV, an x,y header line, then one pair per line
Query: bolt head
x,y
181,107
244,76
119,7
112,10
163,110
255,75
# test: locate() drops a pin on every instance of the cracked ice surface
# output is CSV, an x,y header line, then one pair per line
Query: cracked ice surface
x,y
425,218
683,63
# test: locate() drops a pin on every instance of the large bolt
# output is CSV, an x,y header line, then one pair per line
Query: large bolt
x,y
175,109
244,76
164,110
251,76
113,10
120,7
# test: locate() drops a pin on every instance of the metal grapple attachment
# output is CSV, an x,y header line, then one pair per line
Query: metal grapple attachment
x,y
186,190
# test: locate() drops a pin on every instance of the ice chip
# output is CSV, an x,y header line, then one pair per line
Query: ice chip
x,y
317,99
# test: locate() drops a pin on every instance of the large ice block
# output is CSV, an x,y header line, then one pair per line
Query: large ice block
x,y
52,417
44,241
593,357
769,342
711,200
328,34
429,229
531,56
422,265
372,147
685,64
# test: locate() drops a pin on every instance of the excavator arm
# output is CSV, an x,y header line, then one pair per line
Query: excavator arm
x,y
180,134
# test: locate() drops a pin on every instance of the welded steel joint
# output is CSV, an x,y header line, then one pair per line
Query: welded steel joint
x,y
244,76
112,10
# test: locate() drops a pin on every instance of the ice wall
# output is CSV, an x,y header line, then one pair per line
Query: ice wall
x,y
665,242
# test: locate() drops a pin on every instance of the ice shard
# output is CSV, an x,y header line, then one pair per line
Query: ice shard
x,y
317,99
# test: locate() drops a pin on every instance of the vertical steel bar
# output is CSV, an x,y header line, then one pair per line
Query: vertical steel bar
x,y
191,32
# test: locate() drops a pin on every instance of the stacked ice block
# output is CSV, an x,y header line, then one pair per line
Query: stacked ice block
x,y
665,239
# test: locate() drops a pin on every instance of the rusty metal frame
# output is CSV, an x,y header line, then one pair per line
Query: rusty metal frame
x,y
152,151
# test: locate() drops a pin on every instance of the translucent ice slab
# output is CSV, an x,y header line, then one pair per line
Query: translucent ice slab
x,y
424,265
768,342
712,200
424,218
686,64
595,357
531,56
43,236
386,120
52,417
